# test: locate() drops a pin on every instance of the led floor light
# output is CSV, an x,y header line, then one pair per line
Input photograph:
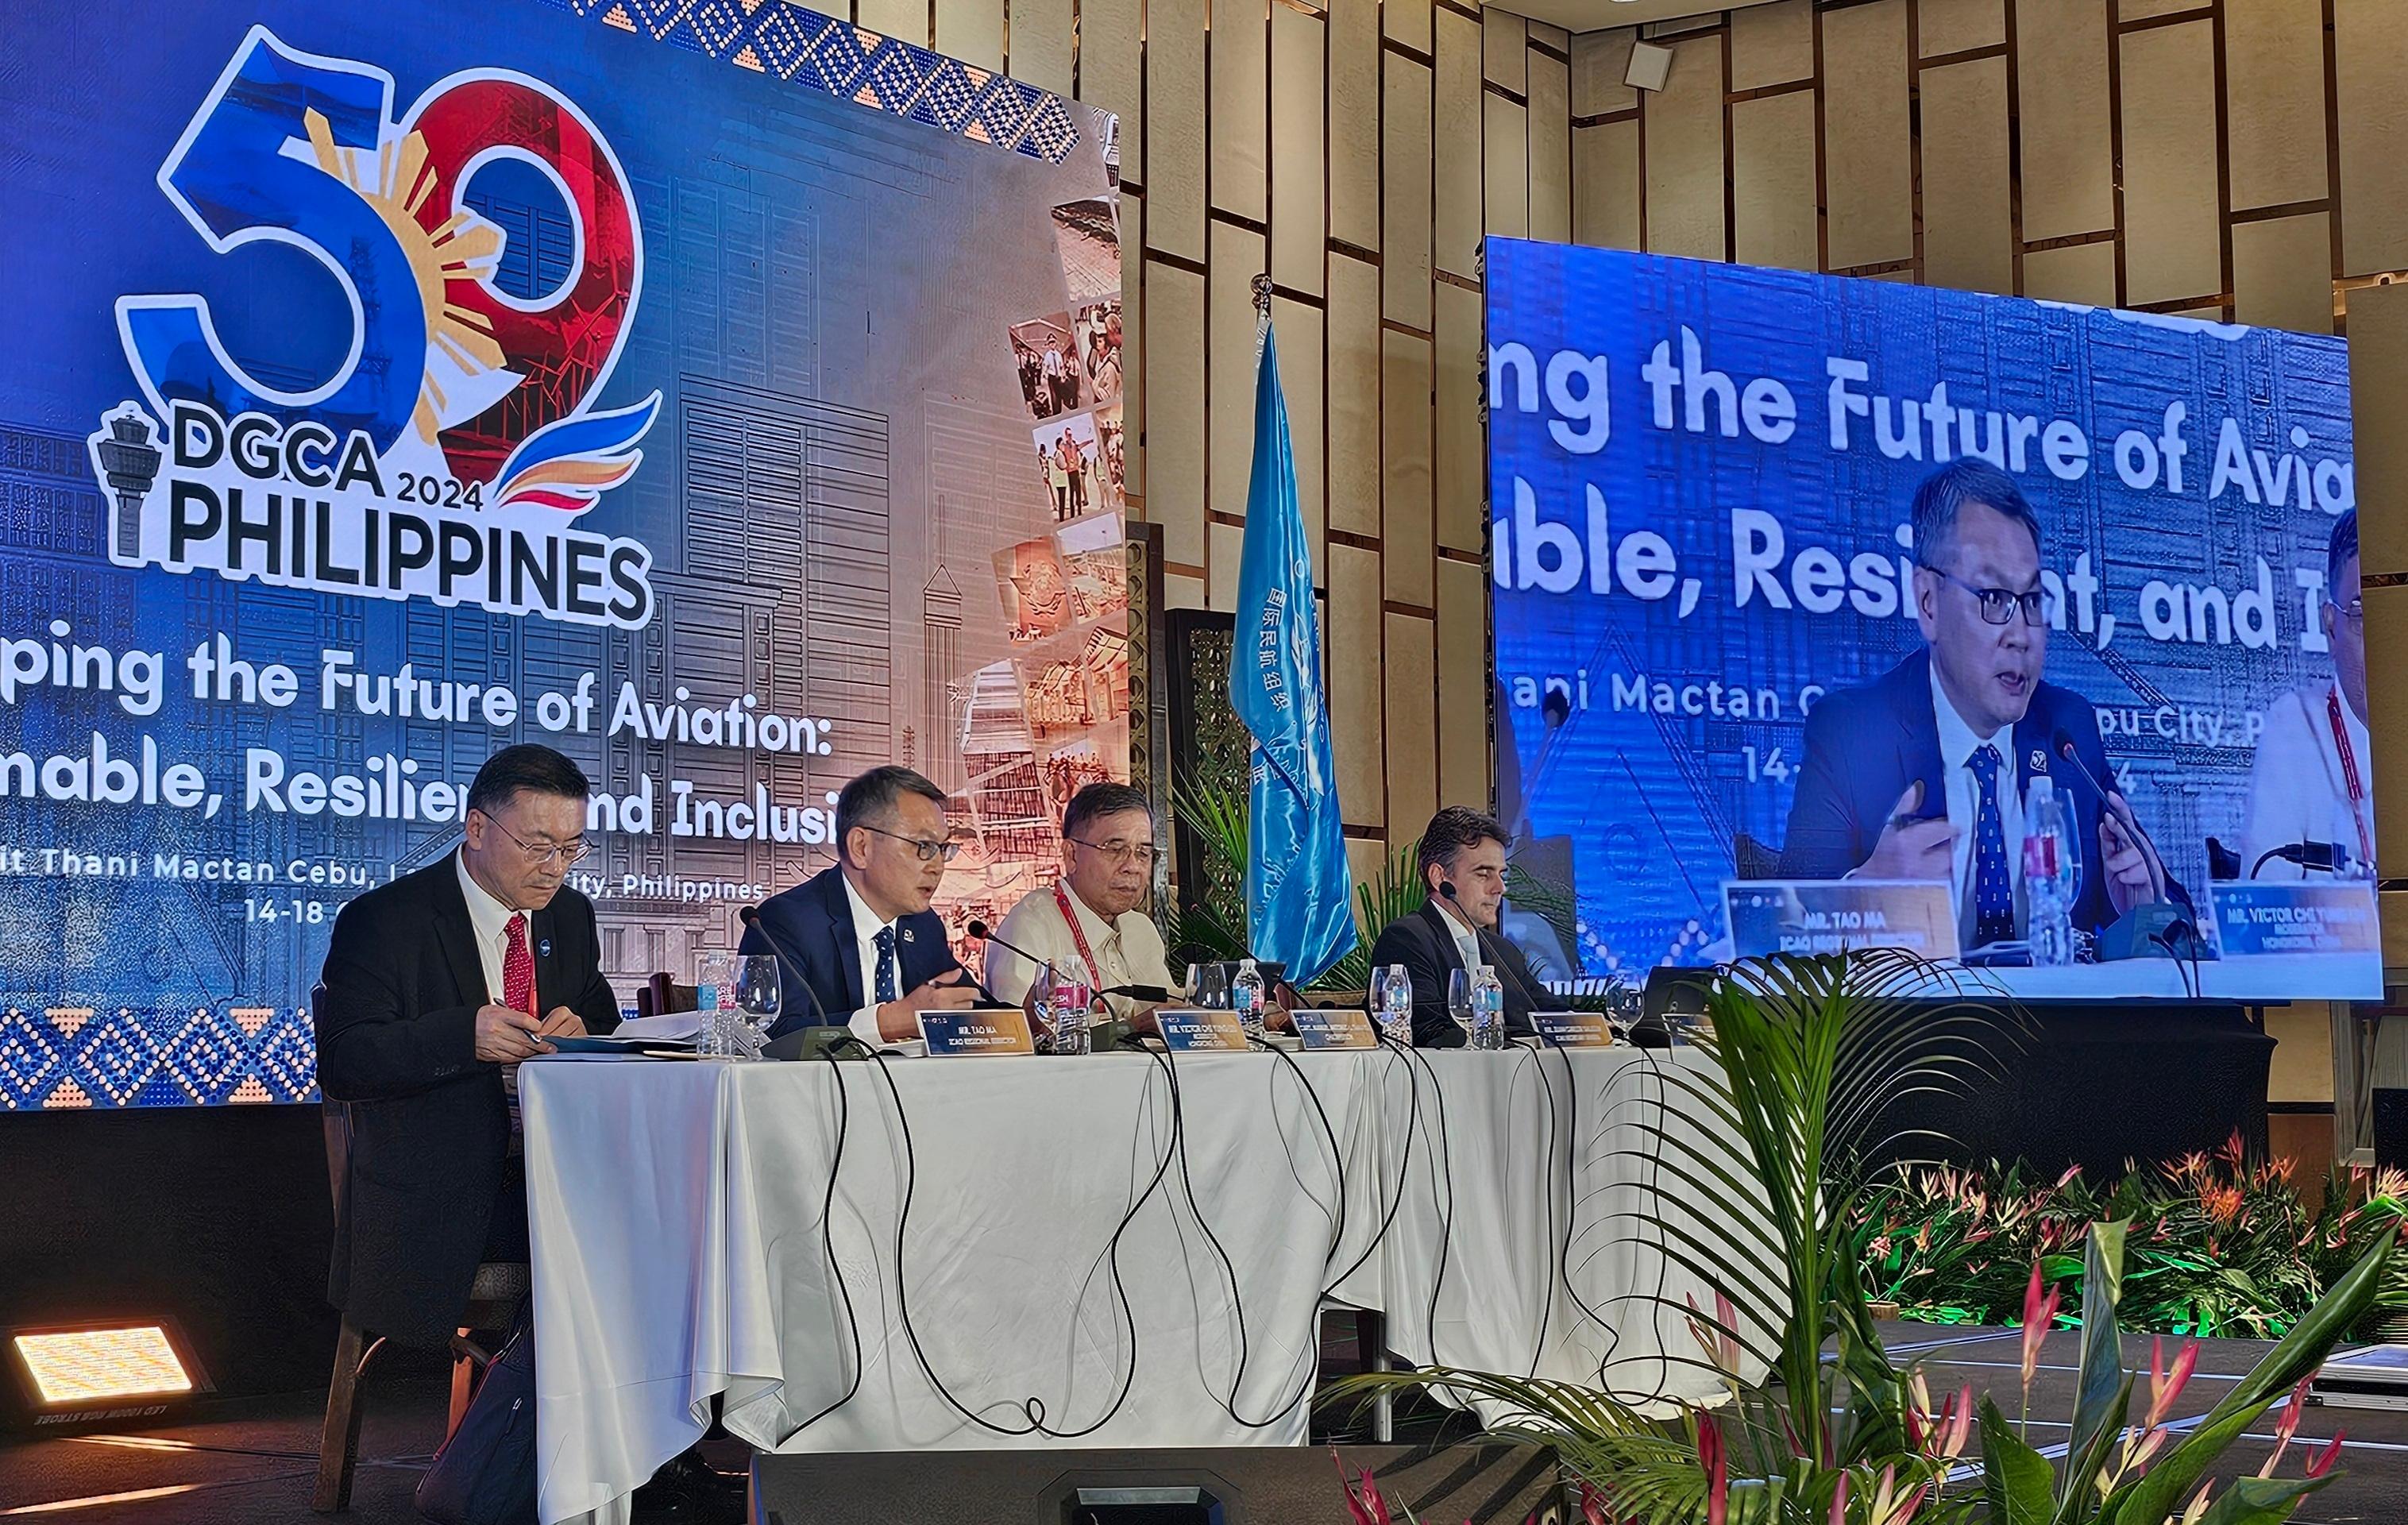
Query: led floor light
x,y
75,1376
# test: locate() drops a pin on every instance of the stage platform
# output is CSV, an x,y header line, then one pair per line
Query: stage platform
x,y
251,1463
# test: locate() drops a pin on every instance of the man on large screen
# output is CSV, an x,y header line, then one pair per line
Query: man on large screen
x,y
1921,774
2310,806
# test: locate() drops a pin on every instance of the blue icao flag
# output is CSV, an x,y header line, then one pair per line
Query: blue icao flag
x,y
1297,885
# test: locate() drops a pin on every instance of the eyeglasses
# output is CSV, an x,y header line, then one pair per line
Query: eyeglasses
x,y
568,852
1999,605
1126,852
928,850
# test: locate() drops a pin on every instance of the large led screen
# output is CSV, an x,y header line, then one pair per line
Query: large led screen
x,y
1834,612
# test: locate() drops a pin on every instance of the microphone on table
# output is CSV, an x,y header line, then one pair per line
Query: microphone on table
x,y
1503,967
2063,741
2324,857
803,1043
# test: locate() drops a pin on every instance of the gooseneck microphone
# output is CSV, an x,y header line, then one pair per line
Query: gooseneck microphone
x,y
1503,967
2063,741
981,932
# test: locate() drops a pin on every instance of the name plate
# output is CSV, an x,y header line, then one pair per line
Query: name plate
x,y
2301,917
1573,1029
1832,915
1335,1027
1201,1031
977,1034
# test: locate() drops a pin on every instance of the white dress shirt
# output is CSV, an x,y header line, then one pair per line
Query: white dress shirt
x,y
2298,790
1957,745
1127,948
491,919
866,928
1467,941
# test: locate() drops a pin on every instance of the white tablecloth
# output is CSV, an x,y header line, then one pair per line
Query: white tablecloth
x,y
681,1250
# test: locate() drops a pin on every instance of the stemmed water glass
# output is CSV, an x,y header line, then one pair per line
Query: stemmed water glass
x,y
759,993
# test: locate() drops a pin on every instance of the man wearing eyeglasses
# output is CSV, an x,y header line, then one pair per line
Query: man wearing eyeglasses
x,y
1921,774
856,943
436,986
2309,787
1091,913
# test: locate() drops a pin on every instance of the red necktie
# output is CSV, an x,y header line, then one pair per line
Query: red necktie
x,y
517,968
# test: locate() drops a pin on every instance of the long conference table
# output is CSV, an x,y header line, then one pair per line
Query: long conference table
x,y
1100,1251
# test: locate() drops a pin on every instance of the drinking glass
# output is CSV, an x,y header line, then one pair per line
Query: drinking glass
x,y
1458,999
1207,986
758,995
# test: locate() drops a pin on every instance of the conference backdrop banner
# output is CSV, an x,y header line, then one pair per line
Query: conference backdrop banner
x,y
2100,730
727,397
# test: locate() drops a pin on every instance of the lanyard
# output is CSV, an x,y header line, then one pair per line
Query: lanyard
x,y
1078,934
2349,775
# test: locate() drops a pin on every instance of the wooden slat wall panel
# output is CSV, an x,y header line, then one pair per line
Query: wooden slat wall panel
x,y
1407,21
1504,49
2274,93
1968,230
1041,43
1868,143
1299,204
972,31
1456,152
1111,65
2378,400
2079,273
1599,62
1508,144
1405,174
1606,190
1355,96
1353,396
1412,739
1357,697
1774,219
1772,45
1684,169
1303,371
1405,502
2068,147
1956,27
1174,409
904,18
1551,149
1463,774
2370,45
1458,454
2282,273
2141,10
1174,95
2171,215
1239,125
1229,366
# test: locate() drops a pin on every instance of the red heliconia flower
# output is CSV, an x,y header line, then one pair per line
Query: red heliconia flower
x,y
2289,1425
2039,1314
1593,1506
2327,1454
2165,1385
1717,1469
1840,1501
1366,1507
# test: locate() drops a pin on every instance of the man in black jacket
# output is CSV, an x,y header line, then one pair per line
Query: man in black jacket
x,y
436,986
1462,861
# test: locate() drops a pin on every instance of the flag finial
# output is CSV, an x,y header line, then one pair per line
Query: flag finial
x,y
1262,298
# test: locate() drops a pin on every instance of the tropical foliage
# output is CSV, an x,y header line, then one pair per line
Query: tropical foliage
x,y
2218,1245
1807,1055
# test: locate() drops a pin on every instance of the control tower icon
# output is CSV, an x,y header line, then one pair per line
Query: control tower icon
x,y
127,457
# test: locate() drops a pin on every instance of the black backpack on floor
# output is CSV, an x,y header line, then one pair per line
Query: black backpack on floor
x,y
485,1473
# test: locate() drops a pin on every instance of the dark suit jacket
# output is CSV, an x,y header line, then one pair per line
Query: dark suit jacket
x,y
1864,745
809,927
1424,942
429,1129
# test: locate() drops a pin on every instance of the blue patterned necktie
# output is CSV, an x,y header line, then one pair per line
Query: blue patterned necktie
x,y
1993,900
886,990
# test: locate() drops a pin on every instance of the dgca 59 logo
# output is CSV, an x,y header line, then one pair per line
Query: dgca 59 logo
x,y
450,452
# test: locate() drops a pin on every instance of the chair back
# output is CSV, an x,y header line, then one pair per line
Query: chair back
x,y
661,995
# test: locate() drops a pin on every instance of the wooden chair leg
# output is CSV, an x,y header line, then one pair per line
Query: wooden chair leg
x,y
338,1444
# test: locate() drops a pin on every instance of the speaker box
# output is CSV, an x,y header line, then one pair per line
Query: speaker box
x,y
2391,1126
1233,1486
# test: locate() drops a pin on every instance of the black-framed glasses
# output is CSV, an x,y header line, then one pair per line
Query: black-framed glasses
x,y
928,850
542,855
1140,852
1999,605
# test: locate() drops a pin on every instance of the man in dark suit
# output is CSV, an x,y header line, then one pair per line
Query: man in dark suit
x,y
858,945
1923,773
1462,862
434,988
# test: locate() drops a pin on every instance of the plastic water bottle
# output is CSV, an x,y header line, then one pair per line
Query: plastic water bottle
x,y
715,1003
1488,1008
1246,998
1392,1004
2049,875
